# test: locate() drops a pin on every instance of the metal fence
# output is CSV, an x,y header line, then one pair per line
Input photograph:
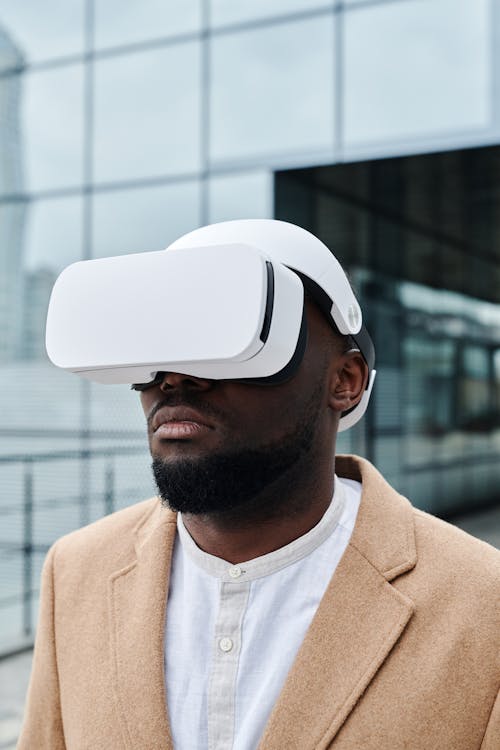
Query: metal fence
x,y
44,496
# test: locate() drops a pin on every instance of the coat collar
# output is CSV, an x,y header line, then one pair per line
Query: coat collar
x,y
384,531
360,618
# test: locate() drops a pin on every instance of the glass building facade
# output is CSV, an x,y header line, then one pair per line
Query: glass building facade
x,y
374,123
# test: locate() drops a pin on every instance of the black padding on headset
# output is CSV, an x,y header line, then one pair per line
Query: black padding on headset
x,y
365,344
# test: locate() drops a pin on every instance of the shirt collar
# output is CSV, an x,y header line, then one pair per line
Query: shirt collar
x,y
272,562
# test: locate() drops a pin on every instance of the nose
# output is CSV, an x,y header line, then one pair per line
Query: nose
x,y
181,380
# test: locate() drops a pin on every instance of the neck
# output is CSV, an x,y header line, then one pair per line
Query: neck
x,y
278,515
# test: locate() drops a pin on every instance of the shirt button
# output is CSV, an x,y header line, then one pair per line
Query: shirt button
x,y
235,571
225,644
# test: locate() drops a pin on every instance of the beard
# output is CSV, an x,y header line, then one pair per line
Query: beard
x,y
233,483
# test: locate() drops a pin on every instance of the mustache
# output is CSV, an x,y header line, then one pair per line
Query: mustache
x,y
188,400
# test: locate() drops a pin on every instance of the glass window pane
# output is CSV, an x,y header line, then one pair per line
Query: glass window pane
x,y
476,410
131,221
37,240
53,234
11,142
272,93
32,31
118,22
53,240
476,362
223,12
428,369
416,67
43,129
496,368
39,399
147,113
247,195
12,218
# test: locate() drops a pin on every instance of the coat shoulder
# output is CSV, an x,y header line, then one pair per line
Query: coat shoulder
x,y
457,577
387,521
113,537
454,548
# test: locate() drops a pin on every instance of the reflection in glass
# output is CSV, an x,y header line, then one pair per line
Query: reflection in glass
x,y
12,218
53,240
147,111
476,362
496,367
39,240
419,236
11,140
132,221
223,12
425,67
475,389
53,233
51,142
246,195
429,365
431,218
272,93
40,31
119,23
11,54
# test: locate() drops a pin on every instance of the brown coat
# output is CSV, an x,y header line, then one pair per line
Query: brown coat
x,y
403,651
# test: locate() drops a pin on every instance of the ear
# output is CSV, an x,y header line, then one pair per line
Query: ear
x,y
348,380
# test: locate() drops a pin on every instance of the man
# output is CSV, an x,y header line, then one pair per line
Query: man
x,y
276,596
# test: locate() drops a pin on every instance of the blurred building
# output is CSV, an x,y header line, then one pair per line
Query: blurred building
x,y
12,212
373,123
36,293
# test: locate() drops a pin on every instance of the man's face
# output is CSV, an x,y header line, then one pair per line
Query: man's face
x,y
217,444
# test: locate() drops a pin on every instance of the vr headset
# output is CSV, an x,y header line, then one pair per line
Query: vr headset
x,y
224,302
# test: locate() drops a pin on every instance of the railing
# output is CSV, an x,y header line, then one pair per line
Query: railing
x,y
19,540
89,482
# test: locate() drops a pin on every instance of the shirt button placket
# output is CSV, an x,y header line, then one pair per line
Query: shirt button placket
x,y
222,684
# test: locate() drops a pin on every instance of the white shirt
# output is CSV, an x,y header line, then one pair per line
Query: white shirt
x,y
233,631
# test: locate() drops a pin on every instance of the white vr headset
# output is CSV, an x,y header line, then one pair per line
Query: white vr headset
x,y
224,302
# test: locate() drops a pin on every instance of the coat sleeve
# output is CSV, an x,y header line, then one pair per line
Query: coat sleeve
x,y
491,739
42,728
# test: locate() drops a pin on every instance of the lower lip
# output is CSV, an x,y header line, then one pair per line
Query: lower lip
x,y
180,430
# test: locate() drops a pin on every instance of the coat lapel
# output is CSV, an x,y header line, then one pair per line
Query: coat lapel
x,y
137,599
360,618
